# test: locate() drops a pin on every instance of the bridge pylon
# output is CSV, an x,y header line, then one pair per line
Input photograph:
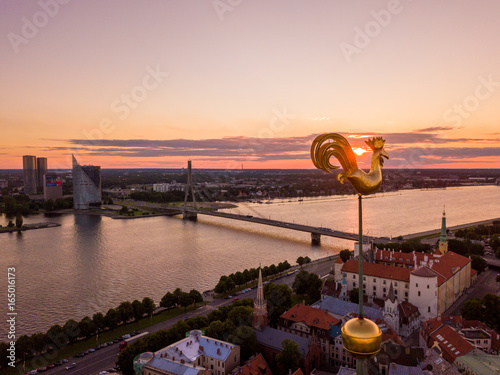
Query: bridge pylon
x,y
187,214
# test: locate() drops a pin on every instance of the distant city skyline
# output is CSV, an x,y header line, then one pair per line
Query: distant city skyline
x,y
124,84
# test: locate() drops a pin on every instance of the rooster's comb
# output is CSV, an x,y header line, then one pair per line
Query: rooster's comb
x,y
375,143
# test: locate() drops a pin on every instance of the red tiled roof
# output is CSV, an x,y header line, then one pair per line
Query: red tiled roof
x,y
339,260
451,343
298,372
378,270
424,272
255,366
310,316
445,265
407,309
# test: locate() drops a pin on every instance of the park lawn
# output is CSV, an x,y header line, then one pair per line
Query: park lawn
x,y
70,350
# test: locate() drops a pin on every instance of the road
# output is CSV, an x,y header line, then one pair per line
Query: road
x,y
106,358
485,284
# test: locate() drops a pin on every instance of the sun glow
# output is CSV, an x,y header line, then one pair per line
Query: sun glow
x,y
359,151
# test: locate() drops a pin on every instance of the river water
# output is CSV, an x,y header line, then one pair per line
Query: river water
x,y
92,263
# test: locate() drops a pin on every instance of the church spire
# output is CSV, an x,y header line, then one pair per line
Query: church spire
x,y
260,290
443,239
260,306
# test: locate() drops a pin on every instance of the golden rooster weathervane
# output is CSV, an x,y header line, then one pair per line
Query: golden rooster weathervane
x,y
327,145
360,336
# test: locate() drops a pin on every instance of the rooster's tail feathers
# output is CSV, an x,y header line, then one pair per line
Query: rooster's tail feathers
x,y
327,145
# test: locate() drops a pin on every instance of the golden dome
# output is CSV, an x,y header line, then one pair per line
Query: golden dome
x,y
362,338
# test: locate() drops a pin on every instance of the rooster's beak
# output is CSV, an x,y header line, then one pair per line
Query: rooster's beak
x,y
384,154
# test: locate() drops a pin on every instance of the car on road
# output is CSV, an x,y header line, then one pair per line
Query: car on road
x,y
69,367
127,336
235,299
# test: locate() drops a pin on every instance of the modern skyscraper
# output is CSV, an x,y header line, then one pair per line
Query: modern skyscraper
x,y
30,174
86,186
41,166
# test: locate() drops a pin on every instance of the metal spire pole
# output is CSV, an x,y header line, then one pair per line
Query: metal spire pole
x,y
360,205
360,362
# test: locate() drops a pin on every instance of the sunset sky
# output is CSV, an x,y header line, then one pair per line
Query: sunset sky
x,y
225,83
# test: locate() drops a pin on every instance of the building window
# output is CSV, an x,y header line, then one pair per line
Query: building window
x,y
396,292
428,309
427,286
374,280
374,287
384,282
353,276
419,293
384,290
406,294
354,285
395,284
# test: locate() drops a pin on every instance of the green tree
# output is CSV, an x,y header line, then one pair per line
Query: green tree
x,y
123,210
185,300
478,263
127,355
216,330
98,320
307,260
196,296
112,319
241,315
354,295
72,330
279,300
40,341
245,337
125,311
476,249
19,220
495,242
138,309
148,305
345,255
491,314
472,309
4,353
308,284
57,336
289,358
169,300
10,205
471,236
457,246
300,261
24,344
87,327
10,224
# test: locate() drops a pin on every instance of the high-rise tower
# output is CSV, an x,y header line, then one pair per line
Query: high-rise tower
x,y
41,167
443,239
86,186
29,174
260,306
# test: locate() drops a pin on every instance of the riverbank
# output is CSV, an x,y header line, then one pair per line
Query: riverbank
x,y
436,232
29,227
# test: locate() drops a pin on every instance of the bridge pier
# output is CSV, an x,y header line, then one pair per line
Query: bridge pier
x,y
316,239
188,215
